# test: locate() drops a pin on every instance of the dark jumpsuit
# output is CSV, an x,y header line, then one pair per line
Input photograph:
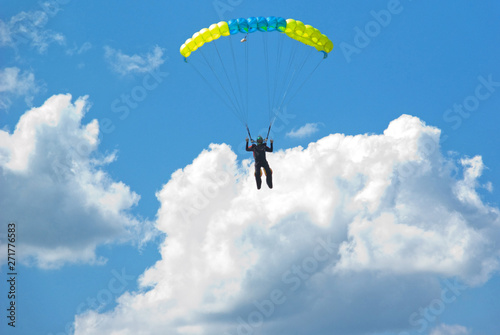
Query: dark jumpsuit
x,y
259,154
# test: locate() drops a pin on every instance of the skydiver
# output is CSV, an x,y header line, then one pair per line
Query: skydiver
x,y
259,154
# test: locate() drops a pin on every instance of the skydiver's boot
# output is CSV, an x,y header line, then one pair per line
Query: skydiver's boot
x,y
258,178
269,181
269,177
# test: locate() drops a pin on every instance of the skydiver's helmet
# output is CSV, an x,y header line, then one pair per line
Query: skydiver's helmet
x,y
260,140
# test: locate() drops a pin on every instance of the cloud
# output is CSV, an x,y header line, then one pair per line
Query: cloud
x,y
78,50
306,130
29,28
444,329
54,186
125,64
356,227
14,83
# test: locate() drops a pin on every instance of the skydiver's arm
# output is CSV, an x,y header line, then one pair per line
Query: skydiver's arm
x,y
247,148
271,148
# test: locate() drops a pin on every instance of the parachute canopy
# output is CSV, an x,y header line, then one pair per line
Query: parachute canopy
x,y
293,28
240,74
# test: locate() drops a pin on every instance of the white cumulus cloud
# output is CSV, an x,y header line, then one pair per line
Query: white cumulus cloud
x,y
53,186
29,28
130,64
14,83
304,131
356,227
444,329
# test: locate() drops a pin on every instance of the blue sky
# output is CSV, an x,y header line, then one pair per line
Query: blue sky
x,y
135,202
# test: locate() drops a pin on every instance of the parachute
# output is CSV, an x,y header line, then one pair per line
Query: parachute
x,y
231,71
292,28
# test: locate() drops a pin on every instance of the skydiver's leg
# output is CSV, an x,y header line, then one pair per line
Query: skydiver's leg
x,y
258,173
269,175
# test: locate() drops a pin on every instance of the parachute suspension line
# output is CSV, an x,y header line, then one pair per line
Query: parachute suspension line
x,y
268,82
303,83
241,110
215,91
278,66
266,57
246,80
209,64
295,73
238,77
272,110
291,58
234,109
248,131
269,129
